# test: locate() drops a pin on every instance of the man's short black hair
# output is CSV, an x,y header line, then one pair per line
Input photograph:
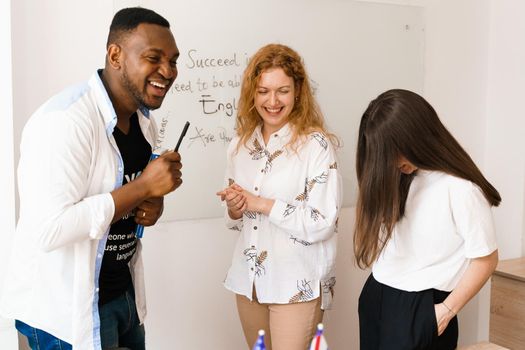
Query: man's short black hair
x,y
127,19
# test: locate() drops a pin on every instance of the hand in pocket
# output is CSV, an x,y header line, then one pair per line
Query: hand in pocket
x,y
443,317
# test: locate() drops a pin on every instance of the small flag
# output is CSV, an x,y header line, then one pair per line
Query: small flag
x,y
259,344
319,342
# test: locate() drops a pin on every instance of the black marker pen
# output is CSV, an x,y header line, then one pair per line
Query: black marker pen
x,y
182,134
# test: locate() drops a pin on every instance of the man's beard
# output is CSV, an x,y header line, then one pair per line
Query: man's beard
x,y
134,91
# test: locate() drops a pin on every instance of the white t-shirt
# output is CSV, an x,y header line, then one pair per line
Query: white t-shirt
x,y
447,222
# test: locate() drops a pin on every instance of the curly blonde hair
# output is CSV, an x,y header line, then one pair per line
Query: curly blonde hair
x,y
306,116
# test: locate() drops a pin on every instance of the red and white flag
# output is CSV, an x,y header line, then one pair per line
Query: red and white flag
x,y
319,342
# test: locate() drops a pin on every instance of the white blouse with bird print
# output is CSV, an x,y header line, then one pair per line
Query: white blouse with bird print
x,y
288,256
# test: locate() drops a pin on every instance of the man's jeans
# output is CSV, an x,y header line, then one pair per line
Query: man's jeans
x,y
119,328
119,323
40,340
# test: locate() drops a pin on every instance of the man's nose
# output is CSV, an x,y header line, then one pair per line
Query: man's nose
x,y
168,71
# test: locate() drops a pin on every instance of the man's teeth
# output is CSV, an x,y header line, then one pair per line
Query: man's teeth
x,y
159,85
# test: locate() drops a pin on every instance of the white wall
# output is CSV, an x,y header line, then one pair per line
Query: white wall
x,y
7,198
49,50
475,79
456,68
505,141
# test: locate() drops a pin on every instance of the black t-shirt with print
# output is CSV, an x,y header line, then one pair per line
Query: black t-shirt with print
x,y
115,276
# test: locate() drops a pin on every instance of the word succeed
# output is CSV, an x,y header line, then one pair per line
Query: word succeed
x,y
210,62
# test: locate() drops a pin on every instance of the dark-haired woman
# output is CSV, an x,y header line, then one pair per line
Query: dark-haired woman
x,y
423,223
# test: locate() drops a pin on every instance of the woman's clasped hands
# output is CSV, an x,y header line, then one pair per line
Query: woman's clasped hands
x,y
238,200
235,199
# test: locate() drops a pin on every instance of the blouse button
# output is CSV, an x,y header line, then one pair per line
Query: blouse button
x,y
256,188
275,135
251,268
255,227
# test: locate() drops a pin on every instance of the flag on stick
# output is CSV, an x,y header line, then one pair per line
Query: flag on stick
x,y
319,342
259,344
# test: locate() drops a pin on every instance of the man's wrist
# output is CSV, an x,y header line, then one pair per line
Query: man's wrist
x,y
142,186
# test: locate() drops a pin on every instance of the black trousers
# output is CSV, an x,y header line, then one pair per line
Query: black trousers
x,y
393,319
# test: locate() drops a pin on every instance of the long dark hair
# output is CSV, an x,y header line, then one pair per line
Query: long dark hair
x,y
400,123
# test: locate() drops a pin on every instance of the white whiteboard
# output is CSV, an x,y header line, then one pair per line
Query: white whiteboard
x,y
352,52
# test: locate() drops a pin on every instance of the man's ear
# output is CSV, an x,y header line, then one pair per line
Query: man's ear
x,y
114,55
